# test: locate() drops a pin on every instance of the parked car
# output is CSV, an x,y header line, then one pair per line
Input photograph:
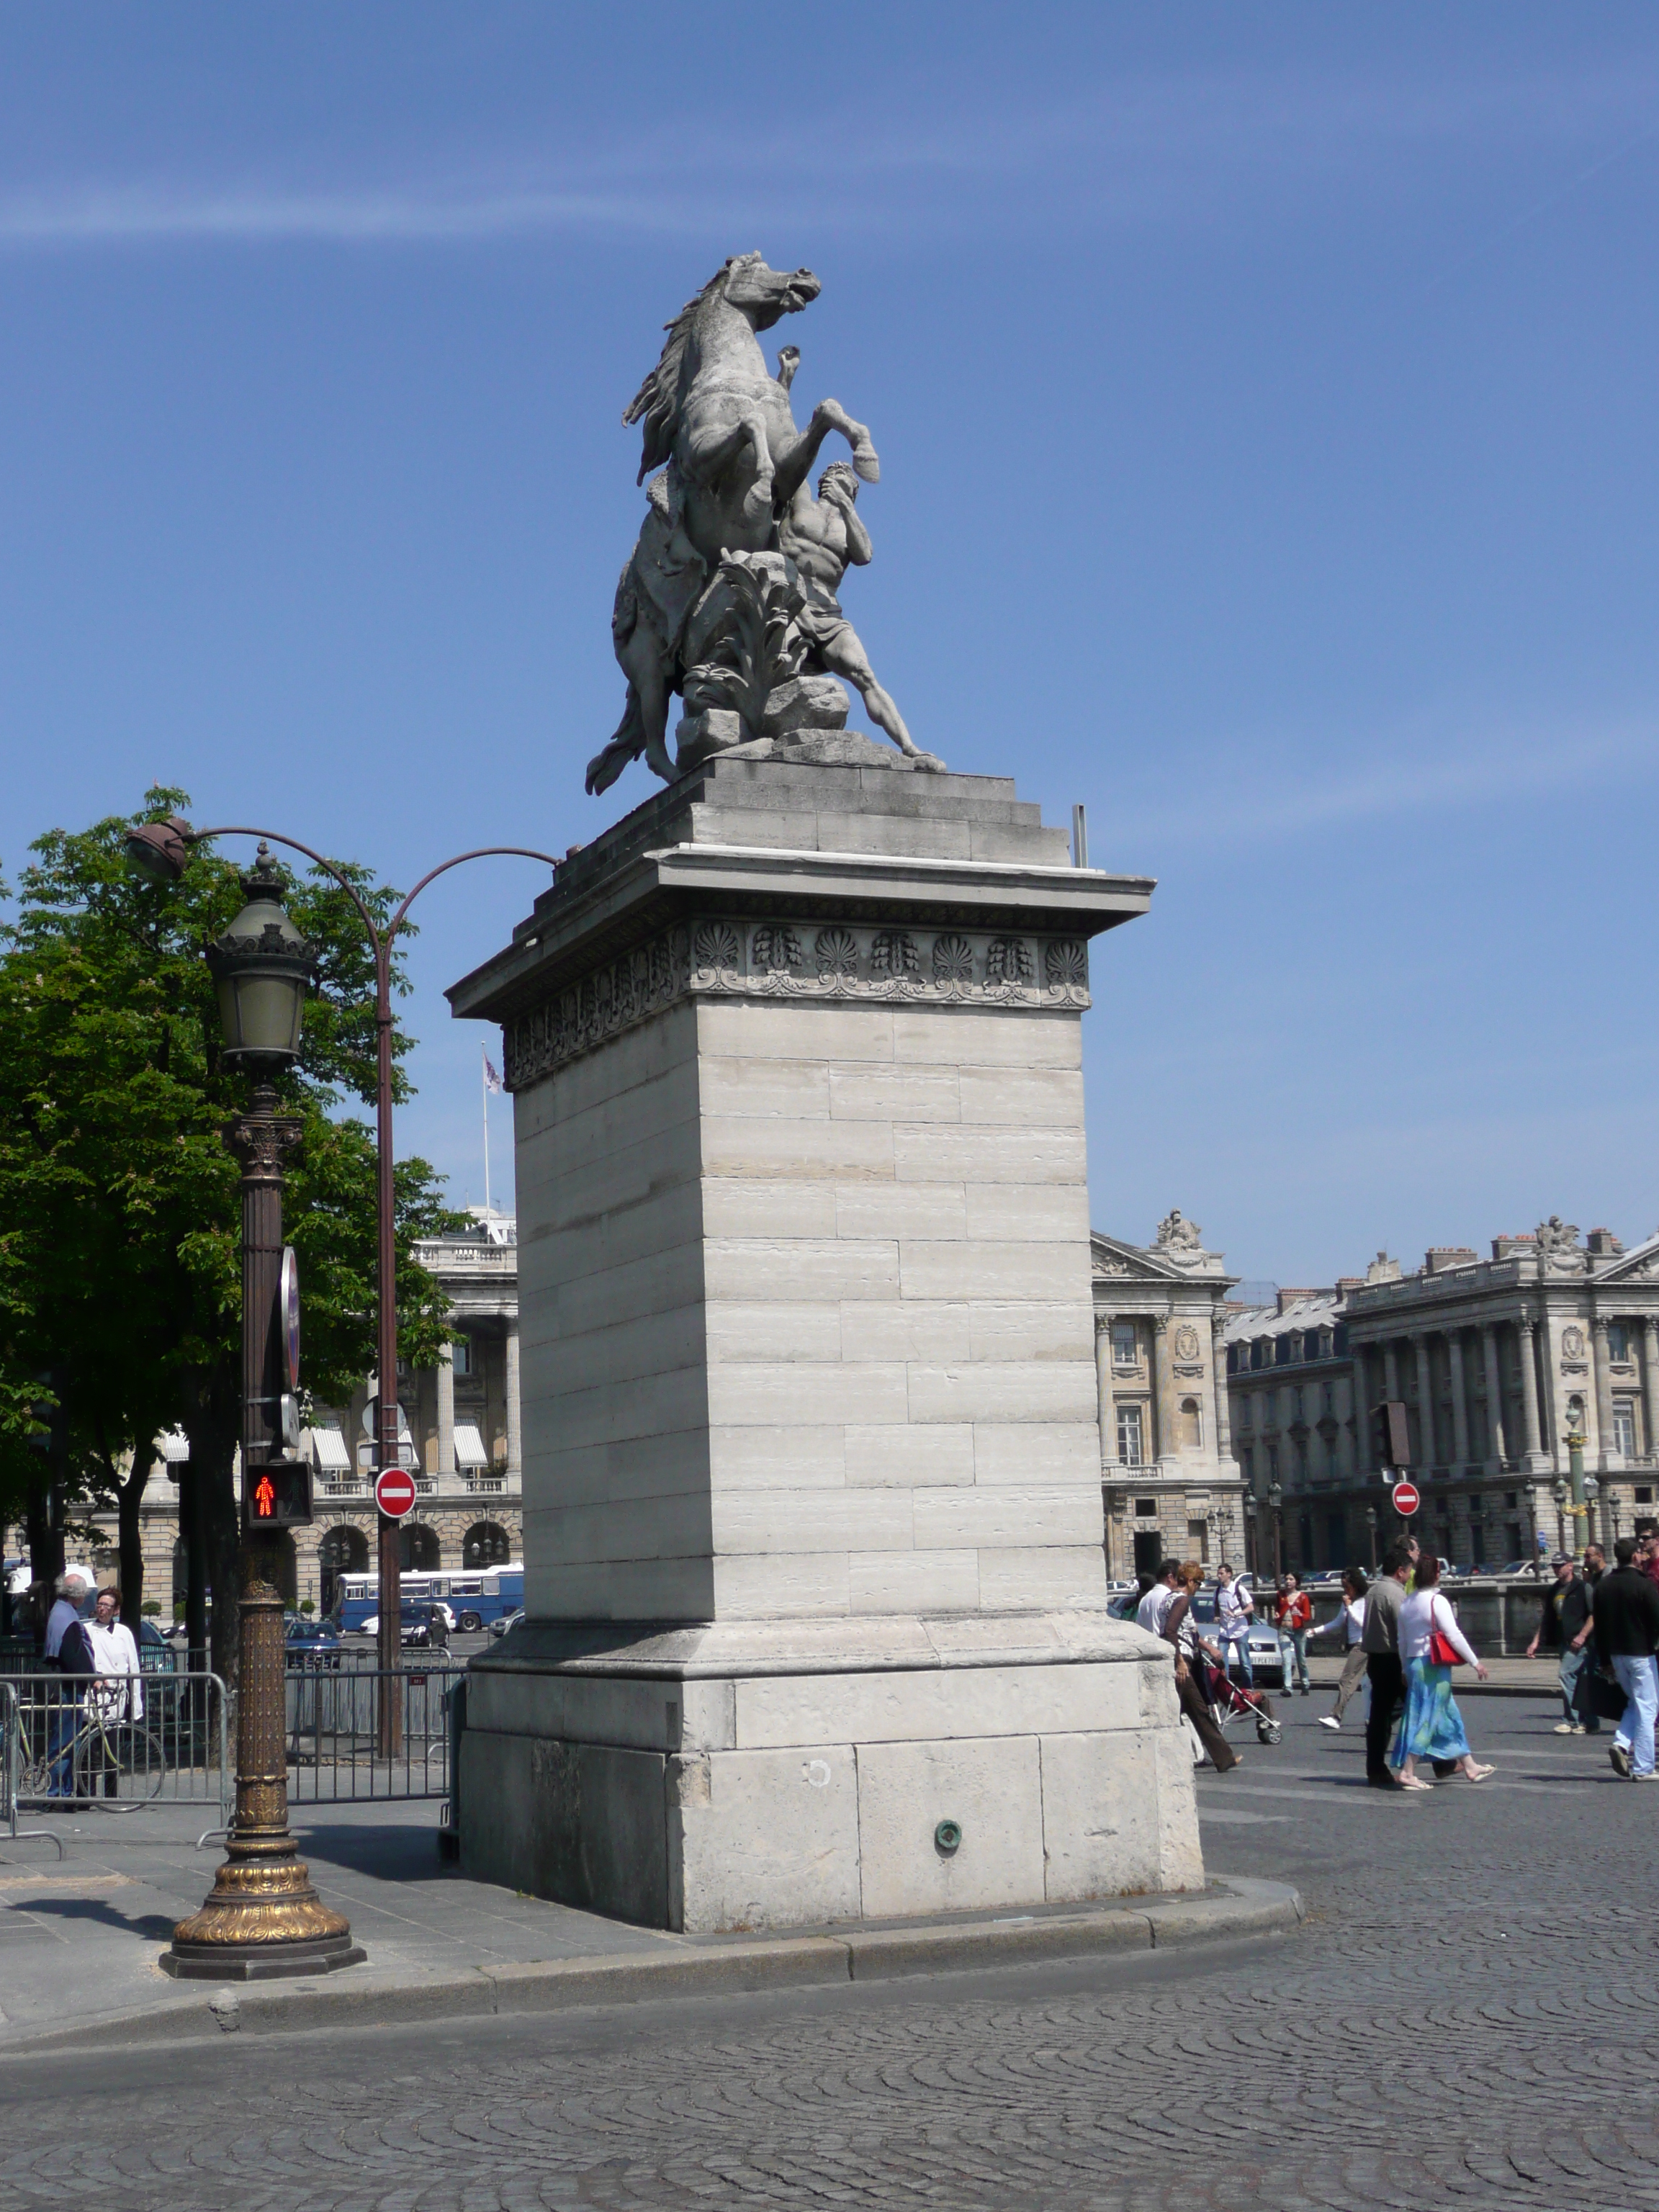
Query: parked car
x,y
311,1644
155,1654
421,1621
511,1620
1266,1659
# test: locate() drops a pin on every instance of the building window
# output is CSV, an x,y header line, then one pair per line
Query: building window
x,y
1645,1494
1329,1401
1624,1427
461,1355
1125,1345
1130,1450
1146,1508
1273,1462
1301,1413
1618,1341
1247,1412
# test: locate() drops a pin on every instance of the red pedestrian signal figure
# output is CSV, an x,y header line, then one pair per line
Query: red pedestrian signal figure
x,y
265,1498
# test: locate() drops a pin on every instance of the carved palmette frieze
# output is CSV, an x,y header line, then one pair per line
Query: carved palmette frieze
x,y
775,958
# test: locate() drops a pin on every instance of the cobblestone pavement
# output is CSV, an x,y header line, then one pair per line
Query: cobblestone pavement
x,y
1469,2018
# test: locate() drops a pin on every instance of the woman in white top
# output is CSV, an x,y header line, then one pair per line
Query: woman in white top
x,y
1431,1727
1350,1625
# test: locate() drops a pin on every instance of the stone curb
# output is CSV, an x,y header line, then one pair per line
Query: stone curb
x,y
1239,1908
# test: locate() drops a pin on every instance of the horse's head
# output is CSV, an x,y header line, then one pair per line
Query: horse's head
x,y
762,295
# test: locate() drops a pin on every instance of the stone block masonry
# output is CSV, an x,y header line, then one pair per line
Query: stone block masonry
x,y
807,1342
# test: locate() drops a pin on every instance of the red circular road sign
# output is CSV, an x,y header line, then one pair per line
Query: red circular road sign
x,y
1406,1499
394,1491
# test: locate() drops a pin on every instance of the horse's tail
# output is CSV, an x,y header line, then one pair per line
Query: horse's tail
x,y
627,745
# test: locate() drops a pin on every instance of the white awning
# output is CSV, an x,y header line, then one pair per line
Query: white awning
x,y
329,1454
469,1447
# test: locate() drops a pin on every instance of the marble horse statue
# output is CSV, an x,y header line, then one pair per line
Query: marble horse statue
x,y
735,461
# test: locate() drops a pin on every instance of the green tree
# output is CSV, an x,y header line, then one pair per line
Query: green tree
x,y
119,1207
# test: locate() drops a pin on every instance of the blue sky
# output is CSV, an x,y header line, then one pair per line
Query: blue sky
x,y
1265,399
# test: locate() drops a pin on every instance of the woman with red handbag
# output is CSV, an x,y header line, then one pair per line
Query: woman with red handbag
x,y
1430,1644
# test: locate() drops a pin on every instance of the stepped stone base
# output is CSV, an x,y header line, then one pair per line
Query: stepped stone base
x,y
788,1774
808,1360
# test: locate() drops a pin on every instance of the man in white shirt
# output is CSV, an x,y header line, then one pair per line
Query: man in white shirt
x,y
116,1652
1154,1609
1233,1606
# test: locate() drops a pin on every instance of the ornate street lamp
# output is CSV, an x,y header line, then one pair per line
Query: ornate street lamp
x,y
159,851
1276,1499
1560,1491
262,1918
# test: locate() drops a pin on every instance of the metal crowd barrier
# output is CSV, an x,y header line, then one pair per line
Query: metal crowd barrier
x,y
63,1738
335,1732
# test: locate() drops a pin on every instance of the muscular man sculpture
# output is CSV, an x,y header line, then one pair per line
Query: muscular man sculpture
x,y
824,537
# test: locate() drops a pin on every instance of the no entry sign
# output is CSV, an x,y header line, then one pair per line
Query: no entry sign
x,y
394,1491
1406,1500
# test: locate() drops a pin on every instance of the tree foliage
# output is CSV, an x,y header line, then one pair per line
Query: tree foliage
x,y
120,1206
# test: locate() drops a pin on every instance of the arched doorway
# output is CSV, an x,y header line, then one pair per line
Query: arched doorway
x,y
417,1548
343,1551
486,1545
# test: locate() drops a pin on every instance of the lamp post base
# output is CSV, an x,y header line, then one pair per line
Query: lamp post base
x,y
261,1920
260,1962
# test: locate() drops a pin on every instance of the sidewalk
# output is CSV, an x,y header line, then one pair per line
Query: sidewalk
x,y
79,1940
1509,1677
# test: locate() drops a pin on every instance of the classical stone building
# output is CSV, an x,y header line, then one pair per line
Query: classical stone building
x,y
1172,1486
1498,1363
460,1436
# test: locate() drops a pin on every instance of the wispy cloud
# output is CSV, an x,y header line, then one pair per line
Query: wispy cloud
x,y
1280,797
1123,151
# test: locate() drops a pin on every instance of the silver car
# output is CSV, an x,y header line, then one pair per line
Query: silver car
x,y
1267,1659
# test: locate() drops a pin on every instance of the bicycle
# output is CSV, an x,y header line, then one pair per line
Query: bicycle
x,y
102,1748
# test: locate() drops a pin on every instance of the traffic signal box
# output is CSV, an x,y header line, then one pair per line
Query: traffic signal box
x,y
1390,1434
276,1496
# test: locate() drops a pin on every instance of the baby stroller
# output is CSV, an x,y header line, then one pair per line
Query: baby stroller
x,y
1231,1705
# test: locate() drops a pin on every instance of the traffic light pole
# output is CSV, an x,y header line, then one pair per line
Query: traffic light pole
x,y
262,1918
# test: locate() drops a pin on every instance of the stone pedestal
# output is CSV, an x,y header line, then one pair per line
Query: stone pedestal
x,y
811,1469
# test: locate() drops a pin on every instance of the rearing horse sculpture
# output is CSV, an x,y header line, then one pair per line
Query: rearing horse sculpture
x,y
735,461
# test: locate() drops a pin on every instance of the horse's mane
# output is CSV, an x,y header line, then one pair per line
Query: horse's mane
x,y
657,398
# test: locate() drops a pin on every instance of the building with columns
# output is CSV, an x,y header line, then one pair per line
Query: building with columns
x,y
459,1436
1498,1361
1171,1487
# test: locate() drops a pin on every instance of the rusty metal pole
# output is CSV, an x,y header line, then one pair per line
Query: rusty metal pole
x,y
262,1918
390,1640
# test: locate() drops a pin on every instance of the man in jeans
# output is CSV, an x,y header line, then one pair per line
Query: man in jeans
x,y
1566,1624
1380,1639
1233,1608
1626,1637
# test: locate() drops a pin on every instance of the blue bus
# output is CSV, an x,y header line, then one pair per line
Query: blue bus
x,y
476,1595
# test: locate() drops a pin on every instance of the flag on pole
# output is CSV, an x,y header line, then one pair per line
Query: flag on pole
x,y
492,1081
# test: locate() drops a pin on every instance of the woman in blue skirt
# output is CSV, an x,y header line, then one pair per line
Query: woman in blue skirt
x,y
1431,1727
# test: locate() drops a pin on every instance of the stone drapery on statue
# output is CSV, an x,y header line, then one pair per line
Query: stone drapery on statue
x,y
729,597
